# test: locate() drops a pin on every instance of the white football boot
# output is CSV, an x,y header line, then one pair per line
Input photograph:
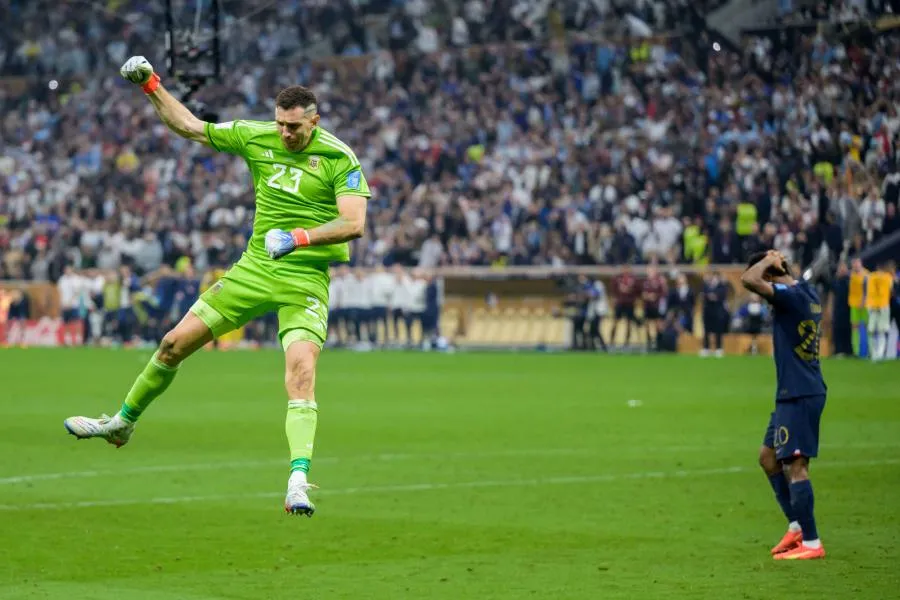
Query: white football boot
x,y
297,501
115,430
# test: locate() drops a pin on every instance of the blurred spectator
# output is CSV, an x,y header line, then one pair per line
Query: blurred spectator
x,y
577,304
626,289
382,288
680,304
715,313
401,305
841,335
667,335
417,291
14,306
653,295
598,310
431,315
752,317
356,303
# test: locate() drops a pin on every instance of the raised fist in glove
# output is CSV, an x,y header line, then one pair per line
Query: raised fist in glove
x,y
137,69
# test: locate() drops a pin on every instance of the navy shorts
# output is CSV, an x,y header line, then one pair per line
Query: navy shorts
x,y
794,427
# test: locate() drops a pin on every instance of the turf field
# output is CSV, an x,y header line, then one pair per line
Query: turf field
x,y
488,476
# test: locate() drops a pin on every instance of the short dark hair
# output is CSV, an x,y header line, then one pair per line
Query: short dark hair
x,y
294,96
771,271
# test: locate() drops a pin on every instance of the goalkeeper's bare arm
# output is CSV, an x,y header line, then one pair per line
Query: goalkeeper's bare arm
x,y
177,117
173,113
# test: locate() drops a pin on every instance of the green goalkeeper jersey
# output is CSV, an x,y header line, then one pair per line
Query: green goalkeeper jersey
x,y
293,189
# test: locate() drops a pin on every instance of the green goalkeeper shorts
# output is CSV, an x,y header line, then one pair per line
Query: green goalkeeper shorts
x,y
251,288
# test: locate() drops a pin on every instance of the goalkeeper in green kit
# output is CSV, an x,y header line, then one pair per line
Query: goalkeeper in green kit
x,y
310,201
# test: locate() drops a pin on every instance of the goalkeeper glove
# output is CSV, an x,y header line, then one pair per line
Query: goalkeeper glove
x,y
138,70
280,242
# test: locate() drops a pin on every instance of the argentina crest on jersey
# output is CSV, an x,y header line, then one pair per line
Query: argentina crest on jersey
x,y
313,163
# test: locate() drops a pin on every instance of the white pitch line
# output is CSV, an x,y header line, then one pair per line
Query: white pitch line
x,y
387,457
426,487
384,457
134,470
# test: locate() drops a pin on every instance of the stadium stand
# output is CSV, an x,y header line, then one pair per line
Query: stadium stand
x,y
536,137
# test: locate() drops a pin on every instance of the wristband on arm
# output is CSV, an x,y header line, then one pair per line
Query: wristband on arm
x,y
301,237
151,84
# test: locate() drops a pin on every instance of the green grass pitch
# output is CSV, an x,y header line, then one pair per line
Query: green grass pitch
x,y
487,476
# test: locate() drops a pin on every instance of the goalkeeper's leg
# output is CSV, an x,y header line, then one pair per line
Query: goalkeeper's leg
x,y
191,334
302,328
241,295
302,417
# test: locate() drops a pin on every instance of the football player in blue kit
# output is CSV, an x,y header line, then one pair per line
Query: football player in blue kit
x,y
792,437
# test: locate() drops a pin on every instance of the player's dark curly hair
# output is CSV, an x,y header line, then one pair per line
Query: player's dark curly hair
x,y
772,271
294,96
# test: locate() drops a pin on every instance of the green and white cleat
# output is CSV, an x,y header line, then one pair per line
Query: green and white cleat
x,y
114,430
297,501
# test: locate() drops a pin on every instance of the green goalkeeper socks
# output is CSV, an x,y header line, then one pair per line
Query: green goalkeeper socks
x,y
300,426
152,382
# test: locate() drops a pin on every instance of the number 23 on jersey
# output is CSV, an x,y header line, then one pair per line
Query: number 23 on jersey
x,y
285,178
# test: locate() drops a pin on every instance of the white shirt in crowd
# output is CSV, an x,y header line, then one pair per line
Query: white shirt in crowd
x,y
669,231
400,299
336,293
416,293
430,254
125,296
69,286
427,41
784,243
459,32
872,211
502,231
352,292
381,286
75,290
638,228
365,292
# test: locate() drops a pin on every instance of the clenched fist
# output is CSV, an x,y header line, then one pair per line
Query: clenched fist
x,y
137,69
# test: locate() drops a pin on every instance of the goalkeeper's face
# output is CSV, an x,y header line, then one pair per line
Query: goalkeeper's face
x,y
295,126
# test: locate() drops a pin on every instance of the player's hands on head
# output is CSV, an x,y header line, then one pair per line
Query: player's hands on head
x,y
137,70
777,261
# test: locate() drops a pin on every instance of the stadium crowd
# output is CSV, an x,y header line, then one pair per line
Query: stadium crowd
x,y
547,151
73,37
835,11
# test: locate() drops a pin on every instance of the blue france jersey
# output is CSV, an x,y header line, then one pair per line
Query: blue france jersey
x,y
796,333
